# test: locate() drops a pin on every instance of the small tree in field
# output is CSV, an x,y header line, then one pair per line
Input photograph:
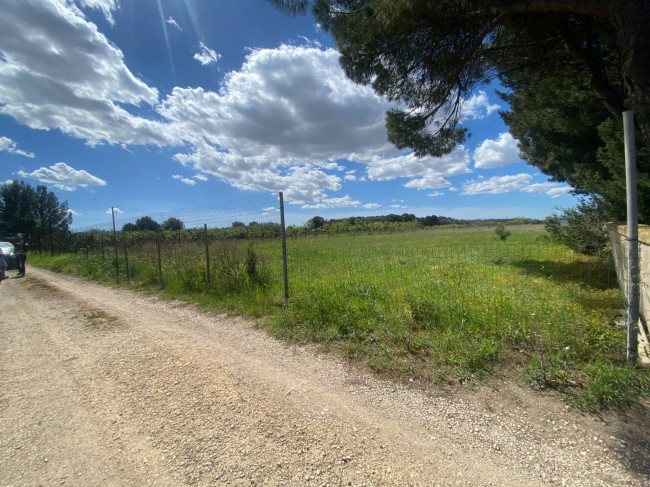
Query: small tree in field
x,y
501,231
582,228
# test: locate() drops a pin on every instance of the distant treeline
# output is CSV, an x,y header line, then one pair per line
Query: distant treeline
x,y
393,222
145,229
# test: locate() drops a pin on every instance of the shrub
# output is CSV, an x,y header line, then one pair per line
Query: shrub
x,y
501,231
582,228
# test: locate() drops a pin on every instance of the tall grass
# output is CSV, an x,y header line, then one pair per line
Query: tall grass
x,y
443,306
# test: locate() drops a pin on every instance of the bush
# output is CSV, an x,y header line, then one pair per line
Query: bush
x,y
501,231
582,228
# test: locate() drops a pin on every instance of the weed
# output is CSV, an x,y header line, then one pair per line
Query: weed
x,y
608,386
100,315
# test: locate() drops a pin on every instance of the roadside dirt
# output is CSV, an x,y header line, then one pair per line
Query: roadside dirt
x,y
101,386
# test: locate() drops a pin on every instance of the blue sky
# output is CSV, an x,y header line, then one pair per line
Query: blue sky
x,y
151,106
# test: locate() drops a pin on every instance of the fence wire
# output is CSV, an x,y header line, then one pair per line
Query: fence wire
x,y
225,247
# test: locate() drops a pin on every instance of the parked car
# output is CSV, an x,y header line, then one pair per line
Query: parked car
x,y
8,254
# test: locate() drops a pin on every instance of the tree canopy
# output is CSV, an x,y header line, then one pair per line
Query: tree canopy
x,y
144,223
569,135
32,212
429,56
173,223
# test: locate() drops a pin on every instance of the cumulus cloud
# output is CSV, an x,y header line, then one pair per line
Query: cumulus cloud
x,y
8,145
496,153
435,193
292,103
188,181
206,55
477,106
552,189
60,72
63,177
344,202
110,211
278,123
425,172
515,182
371,206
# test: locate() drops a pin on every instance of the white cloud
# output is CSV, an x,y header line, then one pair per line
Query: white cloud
x,y
436,193
277,124
496,153
60,72
497,184
111,210
279,121
398,207
300,184
73,213
552,189
426,172
8,145
332,166
200,177
292,103
206,55
350,177
344,202
172,22
516,182
188,181
63,177
106,6
371,206
477,106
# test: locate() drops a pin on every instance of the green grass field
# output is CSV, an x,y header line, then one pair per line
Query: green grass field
x,y
443,306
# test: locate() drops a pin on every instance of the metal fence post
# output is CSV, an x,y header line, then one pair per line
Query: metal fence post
x,y
284,249
633,240
160,277
117,265
207,252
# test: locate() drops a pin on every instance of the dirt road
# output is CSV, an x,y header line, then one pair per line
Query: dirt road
x,y
101,386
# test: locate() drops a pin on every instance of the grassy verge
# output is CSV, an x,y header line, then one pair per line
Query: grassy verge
x,y
443,306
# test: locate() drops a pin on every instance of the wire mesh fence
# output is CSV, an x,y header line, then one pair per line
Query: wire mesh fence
x,y
193,250
458,272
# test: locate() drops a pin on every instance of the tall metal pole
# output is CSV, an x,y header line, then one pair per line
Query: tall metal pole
x,y
207,252
117,265
632,239
284,249
160,276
